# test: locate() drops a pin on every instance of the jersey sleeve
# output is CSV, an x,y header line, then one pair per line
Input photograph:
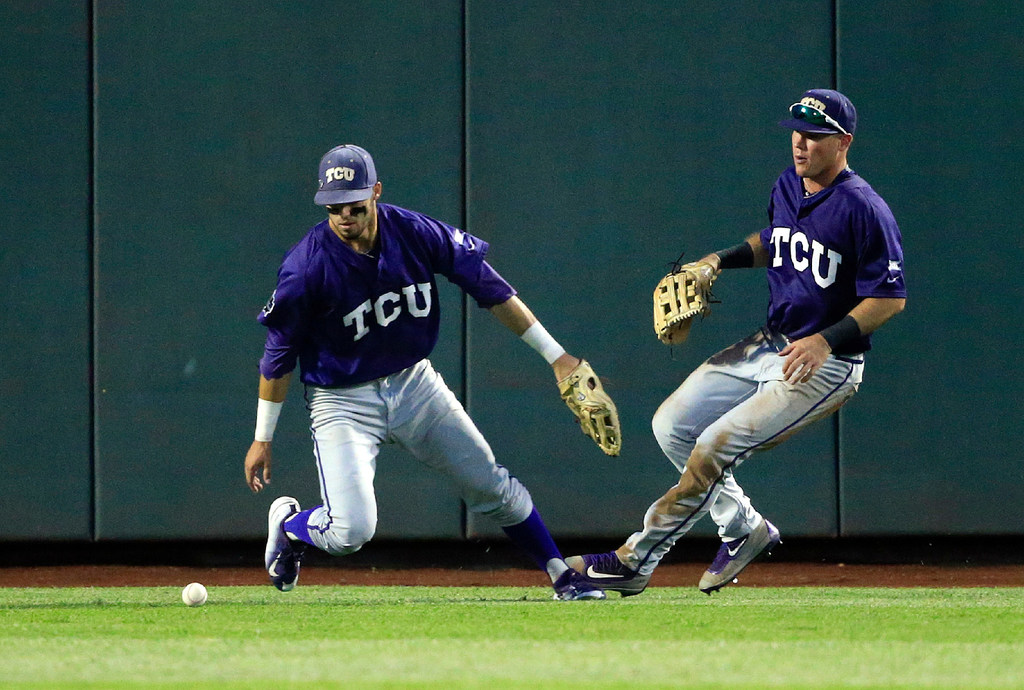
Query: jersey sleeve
x,y
459,257
880,252
284,316
491,289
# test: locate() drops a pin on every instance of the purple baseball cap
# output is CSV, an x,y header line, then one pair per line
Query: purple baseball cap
x,y
822,111
347,175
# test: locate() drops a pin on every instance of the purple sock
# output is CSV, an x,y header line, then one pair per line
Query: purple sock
x,y
298,525
533,537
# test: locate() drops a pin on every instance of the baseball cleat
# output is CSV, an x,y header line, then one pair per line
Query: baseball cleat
x,y
733,556
571,586
606,571
283,556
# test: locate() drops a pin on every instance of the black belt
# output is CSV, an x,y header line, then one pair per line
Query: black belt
x,y
775,339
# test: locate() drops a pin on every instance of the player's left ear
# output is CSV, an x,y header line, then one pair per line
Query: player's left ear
x,y
844,142
376,190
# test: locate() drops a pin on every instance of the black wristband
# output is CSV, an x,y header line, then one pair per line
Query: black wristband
x,y
740,256
843,331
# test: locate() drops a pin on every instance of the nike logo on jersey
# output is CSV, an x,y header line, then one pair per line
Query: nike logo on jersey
x,y
805,254
591,573
388,307
894,272
269,306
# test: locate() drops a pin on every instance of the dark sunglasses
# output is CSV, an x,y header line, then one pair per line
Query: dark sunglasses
x,y
353,210
814,116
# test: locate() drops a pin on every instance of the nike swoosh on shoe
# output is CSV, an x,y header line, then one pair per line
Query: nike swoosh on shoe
x,y
597,575
739,545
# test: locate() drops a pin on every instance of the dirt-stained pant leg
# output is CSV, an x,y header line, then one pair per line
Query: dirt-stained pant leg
x,y
732,405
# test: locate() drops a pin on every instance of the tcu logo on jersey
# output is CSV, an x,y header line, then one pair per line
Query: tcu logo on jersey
x,y
332,174
804,254
387,308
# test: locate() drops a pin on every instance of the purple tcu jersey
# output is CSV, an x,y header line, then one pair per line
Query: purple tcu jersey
x,y
350,318
827,252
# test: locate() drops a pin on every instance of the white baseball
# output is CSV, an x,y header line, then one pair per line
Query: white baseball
x,y
194,594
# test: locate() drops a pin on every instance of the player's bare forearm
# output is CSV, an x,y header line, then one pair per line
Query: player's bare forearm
x,y
514,315
873,312
275,390
517,317
760,252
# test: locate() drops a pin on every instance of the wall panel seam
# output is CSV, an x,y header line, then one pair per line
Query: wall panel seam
x,y
463,513
93,260
837,426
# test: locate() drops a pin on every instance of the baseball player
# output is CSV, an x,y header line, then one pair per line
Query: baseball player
x,y
356,306
834,260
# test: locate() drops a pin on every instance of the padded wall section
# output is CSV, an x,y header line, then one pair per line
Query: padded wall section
x,y
44,261
603,142
933,441
212,119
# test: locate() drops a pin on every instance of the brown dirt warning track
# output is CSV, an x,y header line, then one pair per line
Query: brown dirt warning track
x,y
685,574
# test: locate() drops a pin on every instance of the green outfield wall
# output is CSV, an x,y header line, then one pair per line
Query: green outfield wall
x,y
159,159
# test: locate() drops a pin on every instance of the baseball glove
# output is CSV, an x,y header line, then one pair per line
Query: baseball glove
x,y
599,419
679,297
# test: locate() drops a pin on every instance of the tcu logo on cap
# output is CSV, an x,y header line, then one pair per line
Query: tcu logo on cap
x,y
813,102
339,174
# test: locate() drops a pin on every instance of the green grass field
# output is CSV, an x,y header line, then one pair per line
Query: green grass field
x,y
433,637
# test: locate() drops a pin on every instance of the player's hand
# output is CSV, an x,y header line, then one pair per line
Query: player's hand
x,y
715,261
803,358
257,465
564,365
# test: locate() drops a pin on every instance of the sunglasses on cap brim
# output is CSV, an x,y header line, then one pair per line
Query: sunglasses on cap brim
x,y
812,115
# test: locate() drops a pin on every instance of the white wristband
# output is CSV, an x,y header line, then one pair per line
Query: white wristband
x,y
537,337
266,419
